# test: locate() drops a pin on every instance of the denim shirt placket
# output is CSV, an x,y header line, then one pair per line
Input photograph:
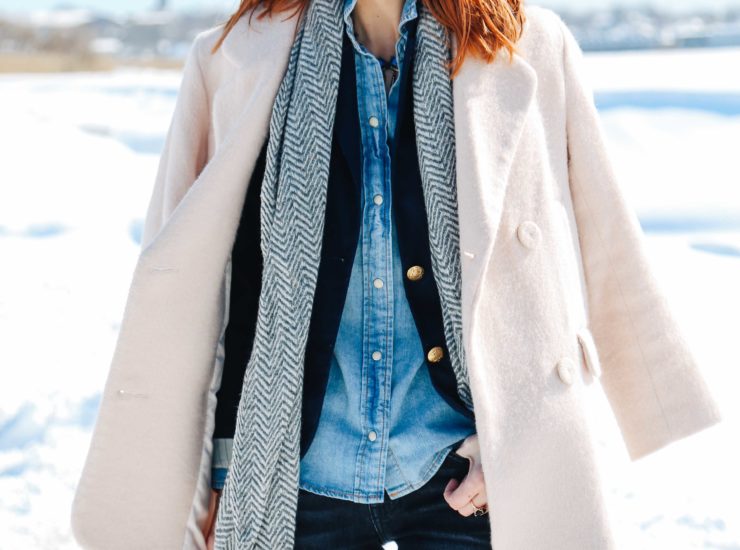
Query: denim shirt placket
x,y
376,255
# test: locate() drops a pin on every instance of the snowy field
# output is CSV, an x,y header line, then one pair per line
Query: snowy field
x,y
79,153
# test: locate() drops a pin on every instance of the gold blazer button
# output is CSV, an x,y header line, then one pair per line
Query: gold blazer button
x,y
415,272
435,354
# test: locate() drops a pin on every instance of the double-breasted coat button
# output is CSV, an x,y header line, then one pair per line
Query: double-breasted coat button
x,y
415,272
565,369
435,354
529,234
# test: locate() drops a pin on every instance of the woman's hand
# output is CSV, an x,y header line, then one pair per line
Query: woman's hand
x,y
210,528
471,491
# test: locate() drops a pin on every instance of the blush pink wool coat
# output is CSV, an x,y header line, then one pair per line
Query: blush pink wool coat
x,y
557,293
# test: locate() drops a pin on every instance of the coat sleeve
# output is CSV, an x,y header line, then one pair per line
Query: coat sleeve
x,y
106,490
648,370
185,150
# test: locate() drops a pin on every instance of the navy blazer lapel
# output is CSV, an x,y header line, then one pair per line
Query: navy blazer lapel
x,y
346,120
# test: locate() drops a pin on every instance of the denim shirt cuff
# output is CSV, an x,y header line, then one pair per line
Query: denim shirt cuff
x,y
218,478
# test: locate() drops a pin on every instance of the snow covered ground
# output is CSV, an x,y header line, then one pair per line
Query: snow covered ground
x,y
79,154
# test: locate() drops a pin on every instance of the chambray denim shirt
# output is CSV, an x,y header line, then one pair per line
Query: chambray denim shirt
x,y
383,426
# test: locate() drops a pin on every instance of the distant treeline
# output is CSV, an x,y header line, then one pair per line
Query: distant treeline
x,y
85,40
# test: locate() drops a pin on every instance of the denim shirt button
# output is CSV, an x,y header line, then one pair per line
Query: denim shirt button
x,y
377,355
378,199
374,122
372,436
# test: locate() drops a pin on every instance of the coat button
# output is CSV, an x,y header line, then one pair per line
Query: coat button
x,y
565,370
529,234
435,354
415,272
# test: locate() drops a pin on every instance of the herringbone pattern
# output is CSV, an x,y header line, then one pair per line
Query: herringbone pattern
x,y
259,499
435,143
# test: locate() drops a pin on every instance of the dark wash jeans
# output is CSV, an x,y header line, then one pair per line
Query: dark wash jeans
x,y
420,520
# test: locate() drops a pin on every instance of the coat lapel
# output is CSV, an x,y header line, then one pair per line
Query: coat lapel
x,y
491,102
243,78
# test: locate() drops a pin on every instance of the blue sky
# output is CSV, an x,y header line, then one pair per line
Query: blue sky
x,y
127,6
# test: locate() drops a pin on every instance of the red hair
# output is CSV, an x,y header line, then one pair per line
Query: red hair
x,y
481,27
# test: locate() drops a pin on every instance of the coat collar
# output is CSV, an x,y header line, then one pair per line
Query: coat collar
x,y
491,102
265,41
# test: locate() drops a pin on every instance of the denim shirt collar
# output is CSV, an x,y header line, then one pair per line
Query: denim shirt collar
x,y
408,12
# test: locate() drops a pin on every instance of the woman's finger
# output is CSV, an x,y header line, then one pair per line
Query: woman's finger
x,y
458,494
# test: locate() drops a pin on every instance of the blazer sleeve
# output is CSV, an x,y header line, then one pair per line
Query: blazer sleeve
x,y
648,371
185,150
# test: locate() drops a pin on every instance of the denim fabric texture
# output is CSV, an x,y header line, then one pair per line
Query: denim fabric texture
x,y
383,426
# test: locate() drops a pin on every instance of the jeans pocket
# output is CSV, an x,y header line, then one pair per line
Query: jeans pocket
x,y
452,456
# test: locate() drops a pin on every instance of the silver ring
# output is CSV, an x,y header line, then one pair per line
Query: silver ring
x,y
479,511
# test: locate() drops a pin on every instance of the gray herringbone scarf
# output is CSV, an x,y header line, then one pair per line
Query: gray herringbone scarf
x,y
259,499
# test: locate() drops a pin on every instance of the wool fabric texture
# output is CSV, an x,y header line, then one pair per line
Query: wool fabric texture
x,y
259,499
